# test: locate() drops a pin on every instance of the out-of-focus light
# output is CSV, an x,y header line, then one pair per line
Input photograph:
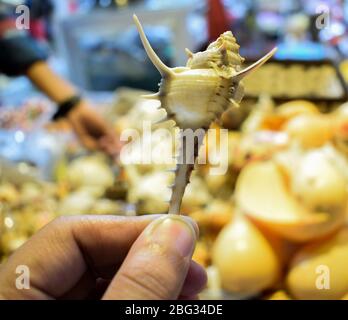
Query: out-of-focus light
x,y
269,22
14,2
337,29
23,168
8,222
19,136
121,3
334,30
105,3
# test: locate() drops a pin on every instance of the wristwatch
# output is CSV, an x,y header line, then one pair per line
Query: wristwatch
x,y
65,107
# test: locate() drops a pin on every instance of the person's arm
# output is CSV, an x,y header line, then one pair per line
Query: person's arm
x,y
91,129
52,85
20,54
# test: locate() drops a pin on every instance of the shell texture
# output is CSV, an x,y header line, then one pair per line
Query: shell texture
x,y
196,95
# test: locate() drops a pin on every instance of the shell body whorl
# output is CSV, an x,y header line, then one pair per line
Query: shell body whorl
x,y
196,95
195,98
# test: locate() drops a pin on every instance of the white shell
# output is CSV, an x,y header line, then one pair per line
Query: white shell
x,y
196,95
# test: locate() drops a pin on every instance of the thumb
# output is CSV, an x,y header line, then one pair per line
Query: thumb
x,y
158,262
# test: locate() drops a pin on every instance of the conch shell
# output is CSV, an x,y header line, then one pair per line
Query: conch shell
x,y
196,95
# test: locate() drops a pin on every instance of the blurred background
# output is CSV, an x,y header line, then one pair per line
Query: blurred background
x,y
95,44
292,126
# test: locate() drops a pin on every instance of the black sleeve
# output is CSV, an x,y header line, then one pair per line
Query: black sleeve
x,y
18,52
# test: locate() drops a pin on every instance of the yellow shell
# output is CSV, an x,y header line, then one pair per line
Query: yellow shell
x,y
278,295
320,271
340,120
262,193
294,108
310,130
318,184
246,261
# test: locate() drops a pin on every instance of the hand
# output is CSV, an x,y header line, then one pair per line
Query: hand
x,y
111,257
92,130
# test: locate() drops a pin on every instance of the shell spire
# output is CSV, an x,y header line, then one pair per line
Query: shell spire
x,y
196,95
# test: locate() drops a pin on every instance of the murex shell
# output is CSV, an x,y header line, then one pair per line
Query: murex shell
x,y
196,95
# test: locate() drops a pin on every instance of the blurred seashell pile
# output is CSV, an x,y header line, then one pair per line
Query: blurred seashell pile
x,y
272,227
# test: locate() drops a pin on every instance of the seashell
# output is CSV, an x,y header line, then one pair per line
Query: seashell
x,y
262,193
319,271
196,95
245,259
278,295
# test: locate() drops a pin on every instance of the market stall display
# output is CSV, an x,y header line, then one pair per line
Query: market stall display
x,y
288,194
293,200
268,179
258,203
298,80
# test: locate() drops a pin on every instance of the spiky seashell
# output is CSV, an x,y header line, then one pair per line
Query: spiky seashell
x,y
196,95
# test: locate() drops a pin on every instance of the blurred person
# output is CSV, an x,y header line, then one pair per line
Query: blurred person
x,y
113,258
41,12
20,54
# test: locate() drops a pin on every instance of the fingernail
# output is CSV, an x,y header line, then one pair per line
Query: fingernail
x,y
176,232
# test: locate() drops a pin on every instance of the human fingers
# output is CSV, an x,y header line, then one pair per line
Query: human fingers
x,y
158,262
195,281
70,254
